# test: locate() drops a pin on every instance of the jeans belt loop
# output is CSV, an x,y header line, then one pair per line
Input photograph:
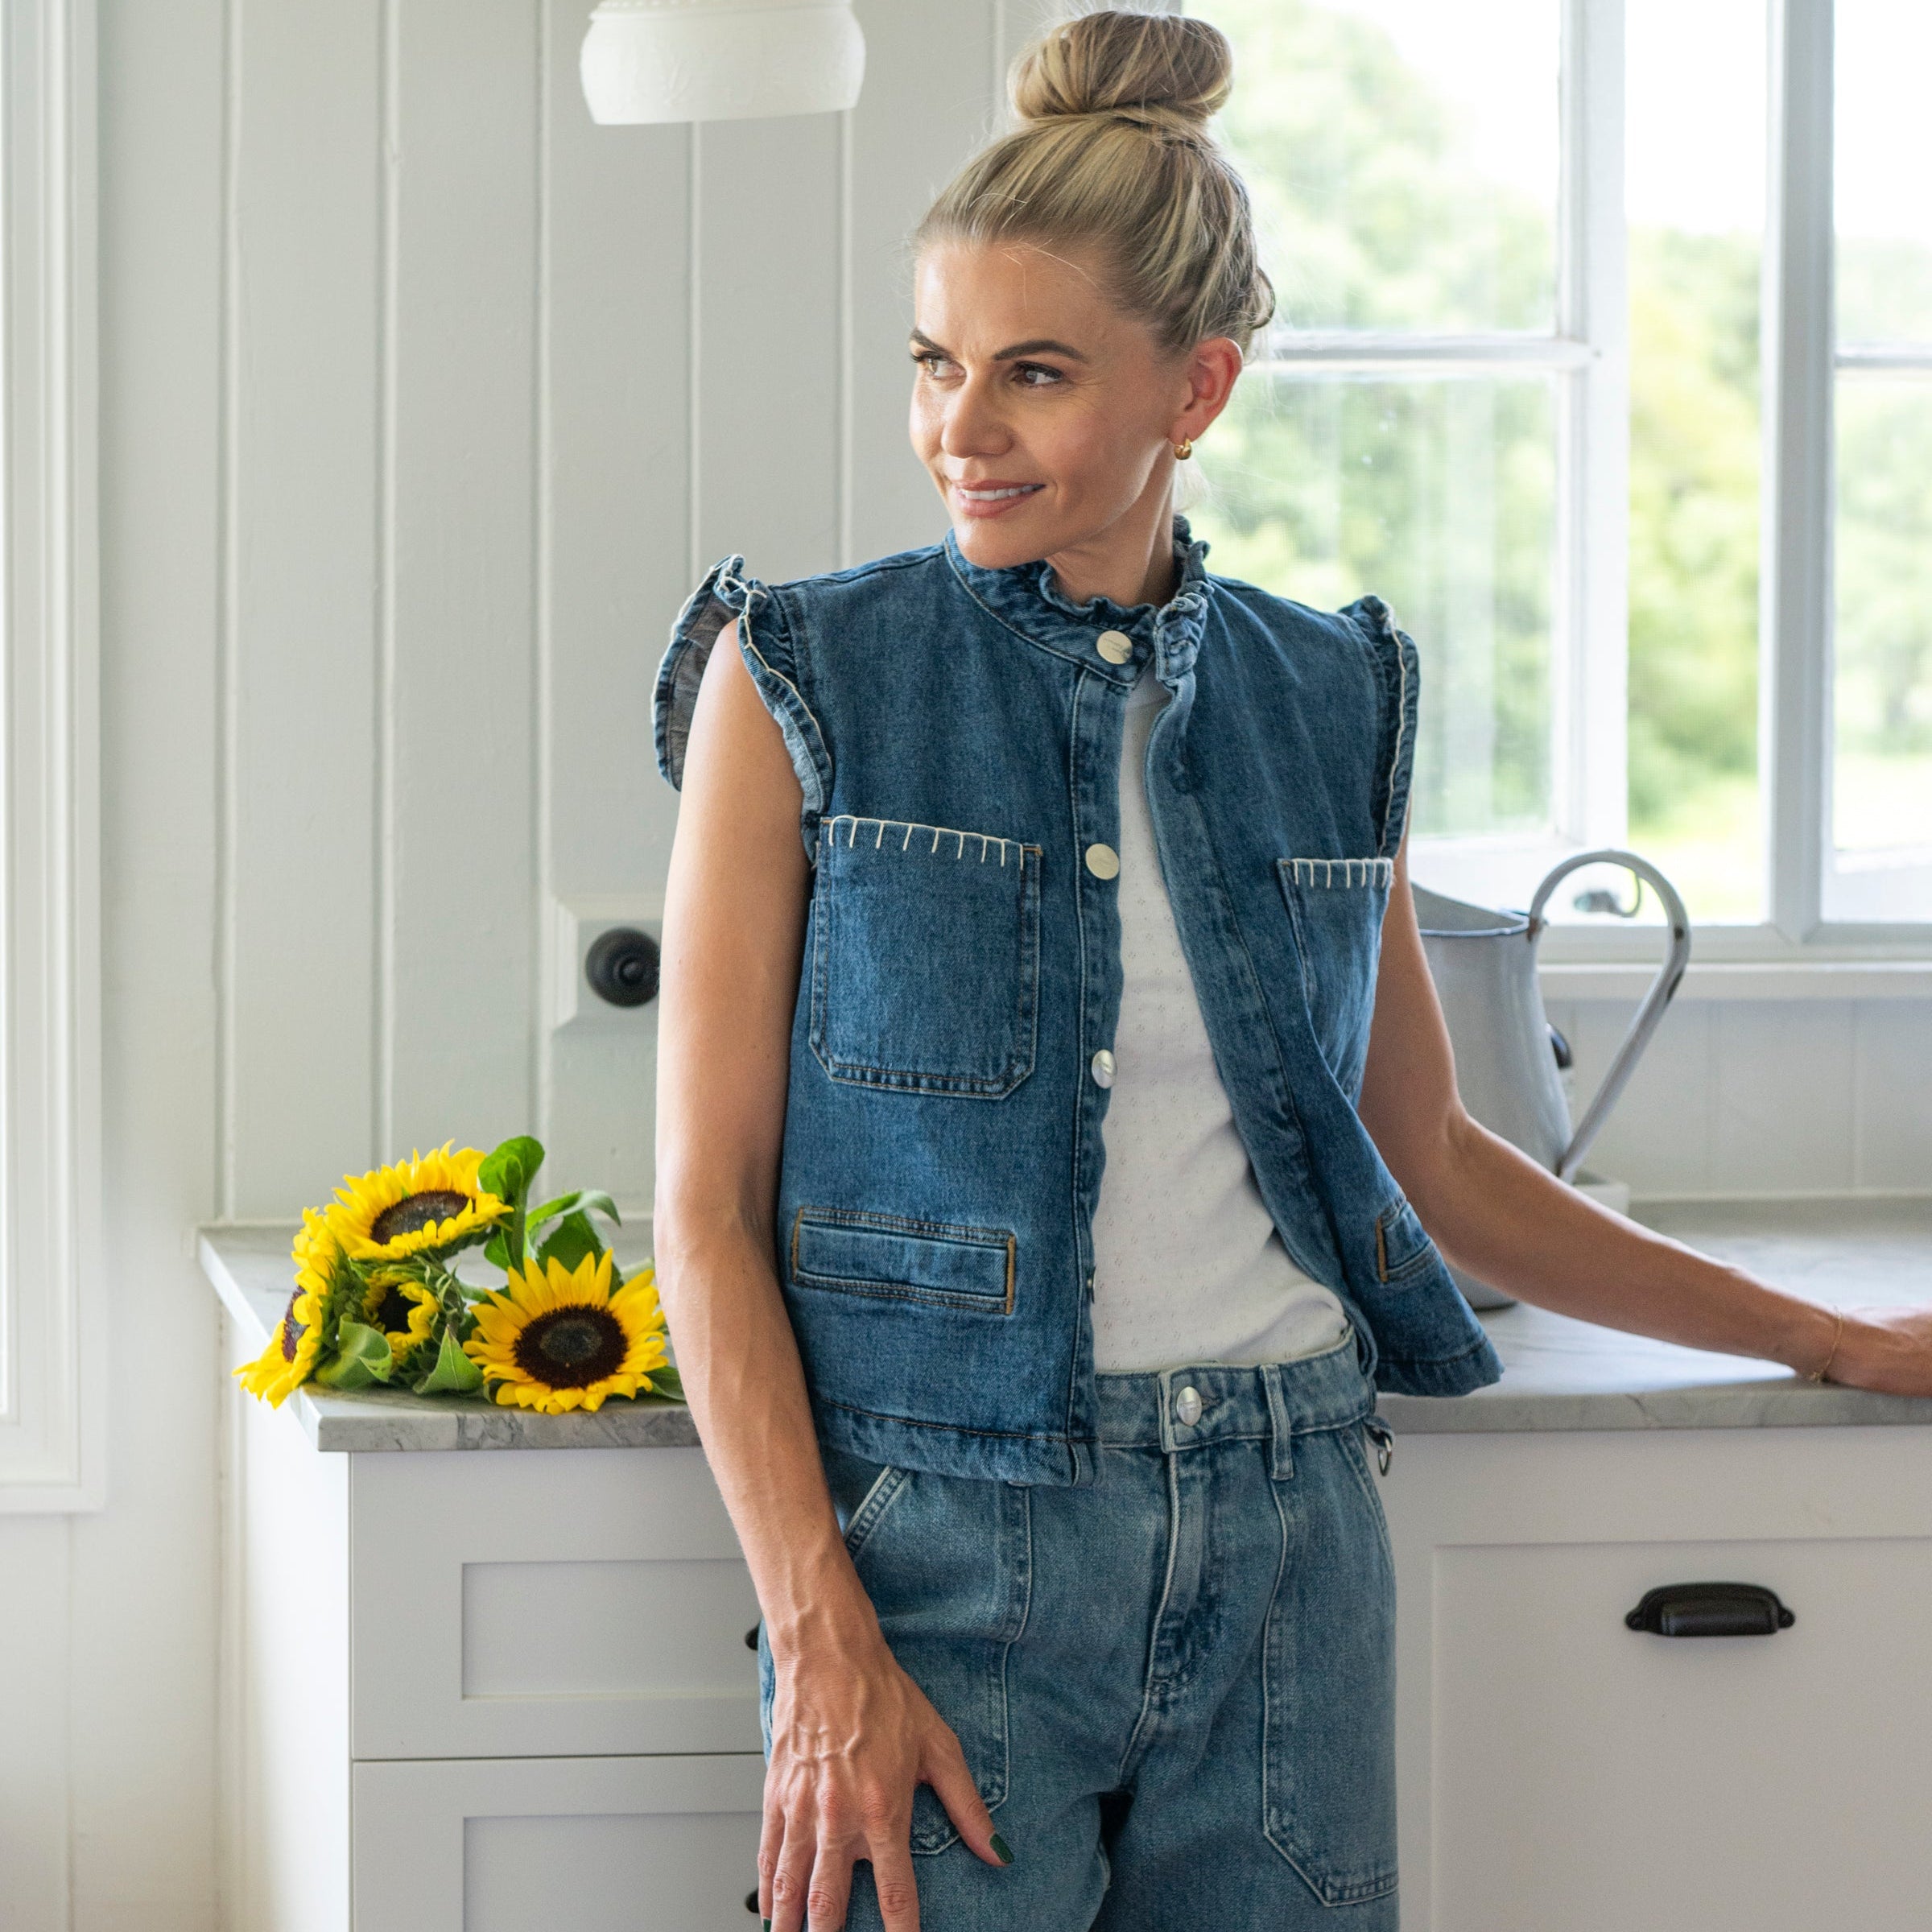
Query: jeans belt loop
x,y
1281,1453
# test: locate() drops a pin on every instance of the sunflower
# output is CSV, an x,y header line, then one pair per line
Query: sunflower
x,y
289,1360
404,1309
430,1203
555,1339
315,1242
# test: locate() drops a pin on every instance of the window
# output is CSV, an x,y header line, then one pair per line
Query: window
x,y
1880,789
51,1424
1553,372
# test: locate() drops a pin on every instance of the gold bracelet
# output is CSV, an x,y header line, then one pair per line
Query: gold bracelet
x,y
1819,1373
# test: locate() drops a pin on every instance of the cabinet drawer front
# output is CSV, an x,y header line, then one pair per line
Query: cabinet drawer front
x,y
510,1845
557,1603
1594,1778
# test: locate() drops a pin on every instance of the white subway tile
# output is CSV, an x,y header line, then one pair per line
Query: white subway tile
x,y
1658,1136
1892,1120
1783,1120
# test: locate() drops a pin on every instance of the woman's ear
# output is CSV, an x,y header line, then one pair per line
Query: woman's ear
x,y
1213,367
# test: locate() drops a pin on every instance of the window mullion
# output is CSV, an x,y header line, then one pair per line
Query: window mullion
x,y
1592,792
1795,709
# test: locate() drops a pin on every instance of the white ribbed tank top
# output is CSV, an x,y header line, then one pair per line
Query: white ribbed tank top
x,y
1188,1266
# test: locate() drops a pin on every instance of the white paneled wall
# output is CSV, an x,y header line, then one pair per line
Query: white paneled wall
x,y
499,383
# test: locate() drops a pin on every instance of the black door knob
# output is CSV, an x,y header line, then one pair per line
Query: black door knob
x,y
621,967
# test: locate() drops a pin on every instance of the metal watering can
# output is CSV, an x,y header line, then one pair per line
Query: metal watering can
x,y
1509,1059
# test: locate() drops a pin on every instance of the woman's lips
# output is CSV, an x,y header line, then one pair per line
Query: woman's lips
x,y
979,501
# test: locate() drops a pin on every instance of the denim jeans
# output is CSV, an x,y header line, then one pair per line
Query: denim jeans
x,y
1173,1685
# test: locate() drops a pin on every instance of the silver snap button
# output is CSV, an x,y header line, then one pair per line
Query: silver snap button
x,y
1116,646
1188,1407
1101,1068
1103,861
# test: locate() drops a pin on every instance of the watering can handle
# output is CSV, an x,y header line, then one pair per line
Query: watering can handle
x,y
1623,1062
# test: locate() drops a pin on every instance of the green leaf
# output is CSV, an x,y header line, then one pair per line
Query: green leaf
x,y
575,1238
667,1381
507,1172
362,1358
588,1200
454,1373
498,1252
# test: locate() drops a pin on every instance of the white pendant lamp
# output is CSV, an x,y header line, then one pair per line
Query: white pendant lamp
x,y
648,60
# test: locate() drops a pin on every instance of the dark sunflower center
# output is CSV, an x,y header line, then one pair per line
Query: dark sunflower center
x,y
392,1311
572,1348
292,1331
416,1211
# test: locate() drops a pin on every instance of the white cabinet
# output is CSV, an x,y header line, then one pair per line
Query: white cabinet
x,y
561,1602
484,1690
598,1844
1560,1770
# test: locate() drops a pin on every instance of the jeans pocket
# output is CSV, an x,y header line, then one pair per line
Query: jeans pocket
x,y
1328,1751
925,958
947,1563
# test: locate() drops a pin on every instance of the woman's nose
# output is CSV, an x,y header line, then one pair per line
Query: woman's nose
x,y
973,426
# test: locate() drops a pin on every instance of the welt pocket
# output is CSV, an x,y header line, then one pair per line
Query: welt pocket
x,y
901,1258
1402,1243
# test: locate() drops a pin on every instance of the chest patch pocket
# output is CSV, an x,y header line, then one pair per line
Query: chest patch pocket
x,y
1336,906
926,958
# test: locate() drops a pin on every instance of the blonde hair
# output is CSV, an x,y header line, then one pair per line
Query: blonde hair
x,y
1112,151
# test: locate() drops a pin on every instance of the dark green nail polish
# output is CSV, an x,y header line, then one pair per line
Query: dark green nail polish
x,y
999,1850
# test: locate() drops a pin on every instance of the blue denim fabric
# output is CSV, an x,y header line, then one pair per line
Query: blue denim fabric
x,y
1173,1685
956,734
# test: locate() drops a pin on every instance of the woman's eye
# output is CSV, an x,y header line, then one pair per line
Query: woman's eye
x,y
1035,375
932,364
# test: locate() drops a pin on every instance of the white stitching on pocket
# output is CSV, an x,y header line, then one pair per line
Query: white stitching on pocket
x,y
989,843
1353,871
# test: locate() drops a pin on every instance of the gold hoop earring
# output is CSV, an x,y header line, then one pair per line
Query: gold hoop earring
x,y
1183,451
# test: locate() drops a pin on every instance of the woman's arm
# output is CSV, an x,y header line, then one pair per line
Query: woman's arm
x,y
852,1734
1495,1213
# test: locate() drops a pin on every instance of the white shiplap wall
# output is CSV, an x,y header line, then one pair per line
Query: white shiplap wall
x,y
499,383
423,403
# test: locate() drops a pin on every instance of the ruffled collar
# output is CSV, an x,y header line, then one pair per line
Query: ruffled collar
x,y
1025,599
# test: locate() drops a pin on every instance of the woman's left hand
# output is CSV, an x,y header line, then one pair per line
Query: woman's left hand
x,y
1886,1350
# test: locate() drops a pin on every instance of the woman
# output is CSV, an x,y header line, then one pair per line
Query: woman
x,y
1053,1100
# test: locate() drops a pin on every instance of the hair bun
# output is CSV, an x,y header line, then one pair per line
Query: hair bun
x,y
1164,70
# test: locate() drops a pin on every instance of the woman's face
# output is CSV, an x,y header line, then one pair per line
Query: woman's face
x,y
1045,416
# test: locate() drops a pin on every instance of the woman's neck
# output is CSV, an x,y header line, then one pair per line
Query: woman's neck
x,y
1131,561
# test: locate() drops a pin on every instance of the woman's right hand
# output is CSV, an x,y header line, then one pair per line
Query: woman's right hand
x,y
852,1737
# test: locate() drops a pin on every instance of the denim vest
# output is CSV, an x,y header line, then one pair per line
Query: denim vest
x,y
956,734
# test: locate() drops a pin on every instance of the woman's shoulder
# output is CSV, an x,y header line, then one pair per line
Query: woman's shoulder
x,y
900,568
1368,620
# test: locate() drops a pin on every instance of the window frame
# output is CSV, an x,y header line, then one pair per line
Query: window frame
x,y
1588,351
53,1328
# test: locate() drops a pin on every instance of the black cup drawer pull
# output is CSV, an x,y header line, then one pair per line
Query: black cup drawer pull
x,y
1710,1610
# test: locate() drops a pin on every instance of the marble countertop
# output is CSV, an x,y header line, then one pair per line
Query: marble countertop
x,y
1557,1373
